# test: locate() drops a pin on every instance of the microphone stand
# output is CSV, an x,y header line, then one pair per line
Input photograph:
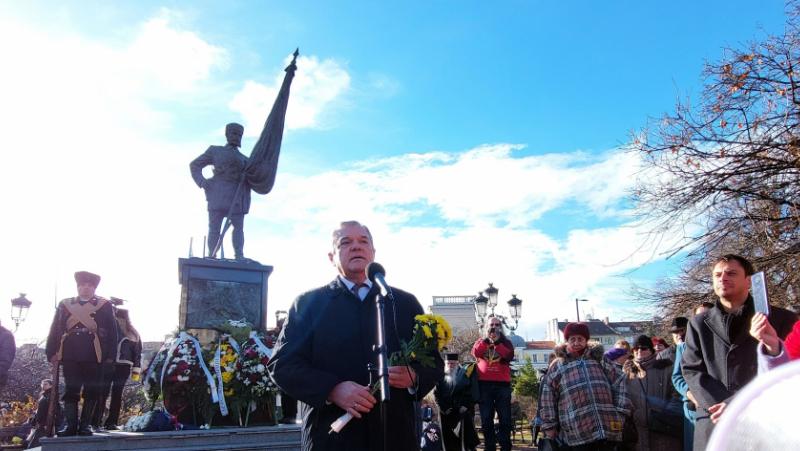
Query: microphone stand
x,y
383,363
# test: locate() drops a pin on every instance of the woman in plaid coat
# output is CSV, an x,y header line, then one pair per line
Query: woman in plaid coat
x,y
584,400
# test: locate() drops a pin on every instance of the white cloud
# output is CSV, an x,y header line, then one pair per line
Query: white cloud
x,y
316,87
94,185
484,203
174,59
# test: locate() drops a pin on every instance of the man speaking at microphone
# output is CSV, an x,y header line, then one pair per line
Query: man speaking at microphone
x,y
323,355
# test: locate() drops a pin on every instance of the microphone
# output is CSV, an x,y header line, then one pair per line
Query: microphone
x,y
376,274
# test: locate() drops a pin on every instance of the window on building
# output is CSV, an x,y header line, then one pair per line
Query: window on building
x,y
535,358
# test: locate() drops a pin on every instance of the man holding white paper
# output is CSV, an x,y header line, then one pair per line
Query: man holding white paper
x,y
720,354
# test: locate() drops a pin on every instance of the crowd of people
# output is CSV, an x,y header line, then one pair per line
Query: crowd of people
x,y
650,396
644,395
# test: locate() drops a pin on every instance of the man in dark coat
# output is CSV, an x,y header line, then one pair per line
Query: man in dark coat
x,y
128,359
83,336
456,395
223,193
720,354
324,349
8,350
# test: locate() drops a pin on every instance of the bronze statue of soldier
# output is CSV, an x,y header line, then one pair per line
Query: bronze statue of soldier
x,y
226,192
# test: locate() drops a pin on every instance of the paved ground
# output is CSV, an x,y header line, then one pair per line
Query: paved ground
x,y
518,445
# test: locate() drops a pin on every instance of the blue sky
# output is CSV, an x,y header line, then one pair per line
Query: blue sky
x,y
480,141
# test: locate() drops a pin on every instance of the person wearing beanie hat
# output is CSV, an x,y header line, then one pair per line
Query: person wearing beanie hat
x,y
576,329
83,337
584,398
650,379
617,355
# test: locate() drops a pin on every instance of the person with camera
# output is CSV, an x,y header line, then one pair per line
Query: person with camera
x,y
494,353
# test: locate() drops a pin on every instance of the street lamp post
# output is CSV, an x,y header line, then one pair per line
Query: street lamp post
x,y
485,306
19,309
577,313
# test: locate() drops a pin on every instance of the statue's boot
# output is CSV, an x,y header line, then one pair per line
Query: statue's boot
x,y
85,427
71,416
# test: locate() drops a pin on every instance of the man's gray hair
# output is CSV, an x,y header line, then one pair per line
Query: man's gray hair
x,y
344,224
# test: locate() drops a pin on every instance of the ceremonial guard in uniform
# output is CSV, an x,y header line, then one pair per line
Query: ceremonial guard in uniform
x,y
456,395
82,337
128,360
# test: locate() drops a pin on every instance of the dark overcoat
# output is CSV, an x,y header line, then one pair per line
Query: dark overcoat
x,y
656,383
716,363
327,339
461,390
8,350
220,189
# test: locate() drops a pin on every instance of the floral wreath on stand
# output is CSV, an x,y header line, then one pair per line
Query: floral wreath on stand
x,y
224,362
179,375
252,382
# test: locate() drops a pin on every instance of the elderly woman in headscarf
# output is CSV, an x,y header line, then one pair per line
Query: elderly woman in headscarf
x,y
649,383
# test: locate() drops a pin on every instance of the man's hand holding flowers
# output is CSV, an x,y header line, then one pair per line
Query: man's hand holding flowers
x,y
402,377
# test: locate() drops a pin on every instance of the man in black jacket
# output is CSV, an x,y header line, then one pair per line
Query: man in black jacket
x,y
82,337
720,354
324,349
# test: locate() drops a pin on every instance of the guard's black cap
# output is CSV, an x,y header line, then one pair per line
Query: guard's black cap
x,y
87,277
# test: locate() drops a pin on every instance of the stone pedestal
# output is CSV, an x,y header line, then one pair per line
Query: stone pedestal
x,y
281,437
215,291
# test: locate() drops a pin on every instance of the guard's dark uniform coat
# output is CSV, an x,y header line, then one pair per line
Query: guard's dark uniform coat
x,y
82,350
720,358
328,339
228,164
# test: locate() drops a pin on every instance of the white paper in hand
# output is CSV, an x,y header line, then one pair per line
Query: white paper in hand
x,y
758,287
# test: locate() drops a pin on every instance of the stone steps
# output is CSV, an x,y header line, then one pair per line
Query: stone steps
x,y
281,437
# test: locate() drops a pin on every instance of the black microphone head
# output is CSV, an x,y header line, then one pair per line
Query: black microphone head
x,y
373,269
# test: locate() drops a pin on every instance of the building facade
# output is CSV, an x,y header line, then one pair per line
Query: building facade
x,y
603,331
459,311
538,351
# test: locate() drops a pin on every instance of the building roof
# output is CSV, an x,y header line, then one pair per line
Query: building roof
x,y
516,340
598,327
544,345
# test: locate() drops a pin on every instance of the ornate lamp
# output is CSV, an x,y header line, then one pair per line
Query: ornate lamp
x,y
480,302
491,292
515,310
19,309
